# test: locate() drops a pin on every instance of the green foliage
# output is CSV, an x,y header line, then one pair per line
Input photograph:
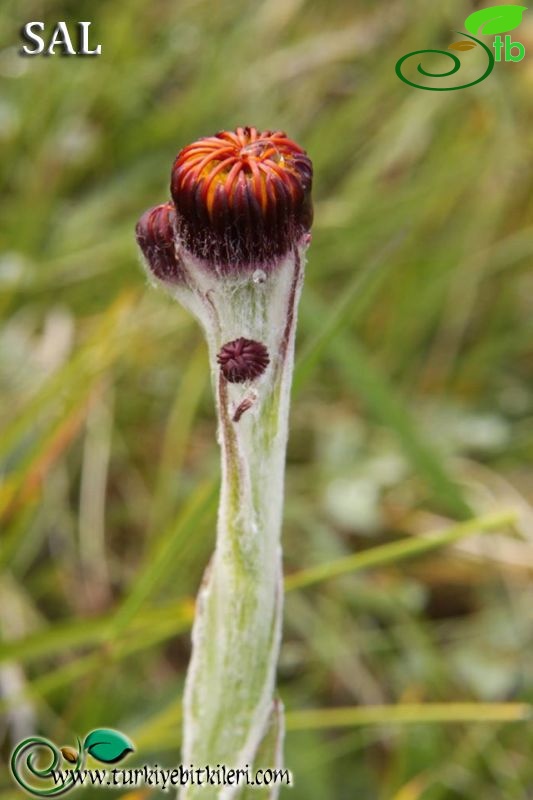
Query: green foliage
x,y
412,407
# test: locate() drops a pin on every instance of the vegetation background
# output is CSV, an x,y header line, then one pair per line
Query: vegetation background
x,y
412,403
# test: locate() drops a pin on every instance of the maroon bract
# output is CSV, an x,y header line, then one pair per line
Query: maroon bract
x,y
243,360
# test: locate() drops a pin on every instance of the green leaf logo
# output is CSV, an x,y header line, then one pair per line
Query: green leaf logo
x,y
496,19
107,745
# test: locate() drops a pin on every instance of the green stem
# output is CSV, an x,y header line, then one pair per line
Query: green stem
x,y
229,697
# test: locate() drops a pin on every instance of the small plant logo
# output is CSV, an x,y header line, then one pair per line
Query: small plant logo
x,y
487,22
104,744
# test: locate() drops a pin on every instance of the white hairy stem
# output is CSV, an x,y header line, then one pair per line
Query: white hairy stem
x,y
229,691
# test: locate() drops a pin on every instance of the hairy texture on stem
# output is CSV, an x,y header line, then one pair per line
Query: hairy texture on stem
x,y
231,249
236,635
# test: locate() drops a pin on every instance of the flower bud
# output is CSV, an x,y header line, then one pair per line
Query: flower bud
x,y
243,360
155,234
243,198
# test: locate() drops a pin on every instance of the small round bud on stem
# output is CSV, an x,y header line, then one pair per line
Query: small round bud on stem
x,y
243,198
155,234
243,360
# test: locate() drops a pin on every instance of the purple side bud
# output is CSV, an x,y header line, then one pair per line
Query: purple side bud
x,y
243,360
156,236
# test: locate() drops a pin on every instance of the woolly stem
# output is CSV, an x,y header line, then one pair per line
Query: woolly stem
x,y
229,693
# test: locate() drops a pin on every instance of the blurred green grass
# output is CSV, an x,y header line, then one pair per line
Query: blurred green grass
x,y
412,404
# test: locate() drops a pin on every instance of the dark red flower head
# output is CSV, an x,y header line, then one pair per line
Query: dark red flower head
x,y
242,198
156,234
243,360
